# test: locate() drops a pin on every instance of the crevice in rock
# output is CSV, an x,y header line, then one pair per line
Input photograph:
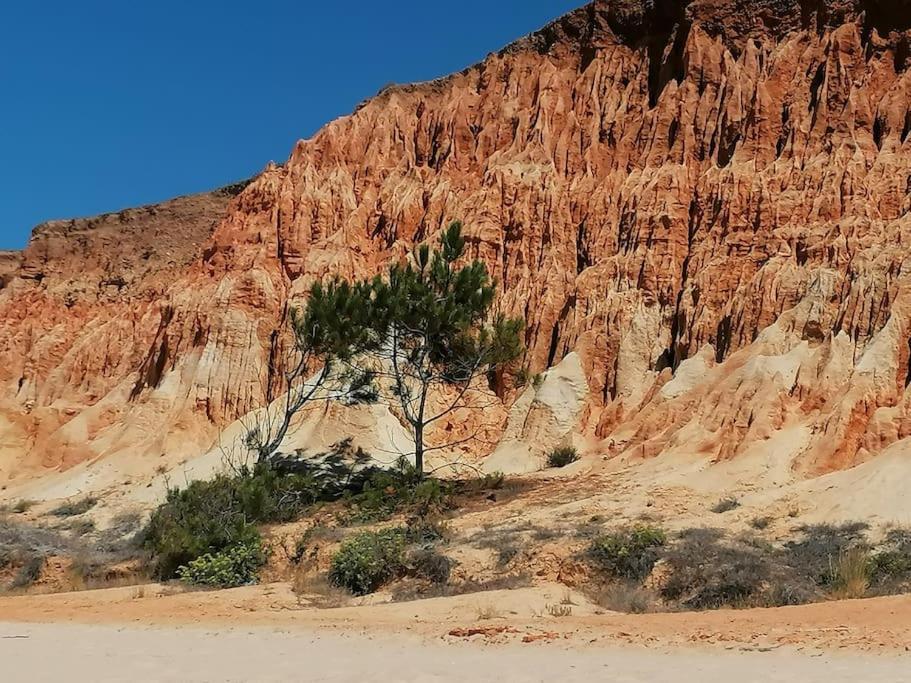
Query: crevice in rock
x,y
878,126
554,341
906,130
811,10
908,371
583,258
665,51
555,333
815,86
722,338
674,354
901,54
801,252
672,133
152,370
886,16
785,130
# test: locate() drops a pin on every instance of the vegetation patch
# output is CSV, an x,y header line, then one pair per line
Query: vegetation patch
x,y
725,505
74,508
235,566
371,559
628,553
706,572
562,456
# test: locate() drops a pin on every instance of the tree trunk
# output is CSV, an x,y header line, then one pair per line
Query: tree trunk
x,y
419,450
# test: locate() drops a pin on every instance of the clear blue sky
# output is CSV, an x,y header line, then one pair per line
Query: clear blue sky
x,y
105,105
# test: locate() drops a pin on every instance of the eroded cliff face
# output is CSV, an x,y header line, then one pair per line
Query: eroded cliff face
x,y
709,202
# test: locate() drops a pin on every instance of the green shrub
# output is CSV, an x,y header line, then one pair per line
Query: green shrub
x,y
387,492
891,564
369,560
521,377
628,553
235,566
204,518
207,517
562,456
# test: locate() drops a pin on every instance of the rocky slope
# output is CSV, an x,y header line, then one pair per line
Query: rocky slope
x,y
708,202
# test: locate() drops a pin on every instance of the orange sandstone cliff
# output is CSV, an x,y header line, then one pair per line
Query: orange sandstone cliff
x,y
707,203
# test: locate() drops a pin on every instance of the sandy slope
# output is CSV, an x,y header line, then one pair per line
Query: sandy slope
x,y
96,653
519,616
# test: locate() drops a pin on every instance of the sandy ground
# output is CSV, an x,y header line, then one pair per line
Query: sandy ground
x,y
53,652
264,633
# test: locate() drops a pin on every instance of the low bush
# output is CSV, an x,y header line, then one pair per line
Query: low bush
x,y
627,597
235,566
760,523
368,560
562,456
725,505
429,564
819,546
28,573
387,492
75,507
850,573
23,505
207,517
628,553
371,559
890,566
706,572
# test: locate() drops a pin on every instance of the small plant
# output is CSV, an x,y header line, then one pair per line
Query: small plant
x,y
521,377
628,553
369,560
760,523
428,563
567,599
560,610
850,573
22,506
487,612
235,566
626,597
562,456
28,573
537,381
725,505
318,533
74,508
891,565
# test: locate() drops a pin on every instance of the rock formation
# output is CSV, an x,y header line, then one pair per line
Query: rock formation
x,y
709,202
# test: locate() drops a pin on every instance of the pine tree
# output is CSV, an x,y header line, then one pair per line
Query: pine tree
x,y
424,330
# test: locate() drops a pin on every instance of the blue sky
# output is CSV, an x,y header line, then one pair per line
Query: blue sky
x,y
105,105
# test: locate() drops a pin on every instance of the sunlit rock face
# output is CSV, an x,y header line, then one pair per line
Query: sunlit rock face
x,y
708,203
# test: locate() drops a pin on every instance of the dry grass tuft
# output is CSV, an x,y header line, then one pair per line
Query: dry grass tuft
x,y
851,573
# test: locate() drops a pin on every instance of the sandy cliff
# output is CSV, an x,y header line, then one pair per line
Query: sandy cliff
x,y
708,202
